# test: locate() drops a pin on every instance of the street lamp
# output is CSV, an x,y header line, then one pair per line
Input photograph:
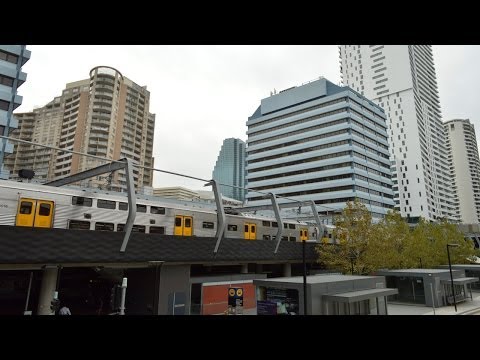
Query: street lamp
x,y
305,276
451,276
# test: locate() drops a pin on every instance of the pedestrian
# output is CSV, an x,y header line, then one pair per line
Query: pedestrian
x,y
64,311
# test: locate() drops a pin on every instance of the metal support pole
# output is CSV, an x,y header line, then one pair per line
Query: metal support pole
x,y
451,277
221,218
433,298
132,202
276,210
124,291
304,279
28,294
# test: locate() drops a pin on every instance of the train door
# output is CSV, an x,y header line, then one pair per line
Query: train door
x,y
35,213
250,231
183,225
303,234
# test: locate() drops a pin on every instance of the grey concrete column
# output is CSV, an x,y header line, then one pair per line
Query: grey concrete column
x,y
287,270
49,281
244,269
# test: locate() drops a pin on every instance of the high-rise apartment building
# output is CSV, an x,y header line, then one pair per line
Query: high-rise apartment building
x,y
319,142
106,115
12,58
230,168
465,169
401,79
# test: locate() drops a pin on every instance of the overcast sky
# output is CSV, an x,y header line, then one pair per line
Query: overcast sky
x,y
204,94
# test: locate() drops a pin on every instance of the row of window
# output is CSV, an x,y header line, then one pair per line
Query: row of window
x,y
304,130
106,226
336,101
108,204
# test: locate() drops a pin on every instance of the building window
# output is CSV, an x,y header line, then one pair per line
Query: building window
x,y
8,57
6,80
4,105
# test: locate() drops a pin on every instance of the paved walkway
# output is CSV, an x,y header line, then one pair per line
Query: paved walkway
x,y
464,308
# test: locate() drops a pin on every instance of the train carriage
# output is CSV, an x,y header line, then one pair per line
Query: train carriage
x,y
36,205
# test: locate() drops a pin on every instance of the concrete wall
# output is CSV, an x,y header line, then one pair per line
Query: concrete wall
x,y
174,282
318,307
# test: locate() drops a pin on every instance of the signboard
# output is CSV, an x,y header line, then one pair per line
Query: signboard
x,y
266,308
235,297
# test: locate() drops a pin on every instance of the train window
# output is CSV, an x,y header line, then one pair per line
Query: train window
x,y
291,226
81,201
232,227
178,221
285,238
105,204
274,224
79,225
141,208
157,230
252,229
26,207
122,206
207,225
138,228
44,210
188,222
246,228
293,238
266,237
135,228
266,223
102,226
285,226
157,210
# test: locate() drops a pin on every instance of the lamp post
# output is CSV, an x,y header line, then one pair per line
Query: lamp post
x,y
451,276
304,279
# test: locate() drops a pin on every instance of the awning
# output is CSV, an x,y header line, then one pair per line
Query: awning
x,y
359,295
461,281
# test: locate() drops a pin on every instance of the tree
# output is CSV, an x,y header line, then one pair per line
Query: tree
x,y
386,246
353,229
362,247
429,242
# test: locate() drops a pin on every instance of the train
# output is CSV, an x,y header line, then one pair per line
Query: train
x,y
36,205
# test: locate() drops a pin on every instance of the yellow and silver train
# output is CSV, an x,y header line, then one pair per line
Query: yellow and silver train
x,y
36,205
